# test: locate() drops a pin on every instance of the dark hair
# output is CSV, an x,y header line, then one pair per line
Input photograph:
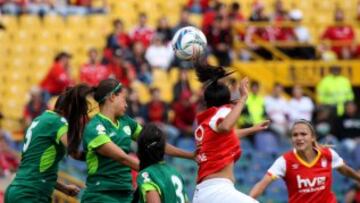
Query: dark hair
x,y
235,6
73,105
106,88
215,93
254,84
151,145
117,21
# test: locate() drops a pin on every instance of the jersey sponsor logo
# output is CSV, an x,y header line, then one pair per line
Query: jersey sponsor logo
x,y
100,129
146,177
112,134
127,130
324,163
306,185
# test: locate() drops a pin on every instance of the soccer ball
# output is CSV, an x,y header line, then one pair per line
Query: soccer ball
x,y
189,43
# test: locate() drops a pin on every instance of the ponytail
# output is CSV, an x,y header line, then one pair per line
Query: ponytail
x,y
215,94
74,107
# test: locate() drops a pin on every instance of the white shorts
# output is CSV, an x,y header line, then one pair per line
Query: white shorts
x,y
219,190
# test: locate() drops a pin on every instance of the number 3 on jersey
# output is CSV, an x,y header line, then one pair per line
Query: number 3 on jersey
x,y
29,135
179,188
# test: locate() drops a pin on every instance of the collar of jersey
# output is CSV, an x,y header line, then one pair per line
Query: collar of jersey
x,y
312,163
108,119
49,111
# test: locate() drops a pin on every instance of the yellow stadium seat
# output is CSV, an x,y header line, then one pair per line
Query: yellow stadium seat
x,y
102,22
14,126
142,90
54,22
30,21
10,22
160,78
19,50
24,36
174,75
76,21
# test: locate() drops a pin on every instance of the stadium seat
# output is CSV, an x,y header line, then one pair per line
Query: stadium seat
x,y
30,22
10,22
54,22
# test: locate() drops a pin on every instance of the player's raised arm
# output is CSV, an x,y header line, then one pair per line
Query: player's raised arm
x,y
177,152
260,186
349,172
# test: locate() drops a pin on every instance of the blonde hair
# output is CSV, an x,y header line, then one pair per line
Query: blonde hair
x,y
313,133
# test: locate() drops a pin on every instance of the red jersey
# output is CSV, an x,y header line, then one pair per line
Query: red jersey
x,y
56,80
143,35
307,182
214,150
93,74
344,33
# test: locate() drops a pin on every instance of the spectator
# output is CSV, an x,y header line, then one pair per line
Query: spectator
x,y
209,16
9,160
326,53
159,54
39,7
182,86
220,40
302,35
135,109
58,78
300,106
164,29
138,56
35,106
334,90
12,7
280,14
259,33
142,32
89,6
276,108
184,20
184,121
145,74
157,111
93,72
235,12
198,6
121,69
254,111
340,35
347,127
234,89
118,38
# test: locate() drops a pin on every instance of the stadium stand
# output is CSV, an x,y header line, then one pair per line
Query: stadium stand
x,y
29,42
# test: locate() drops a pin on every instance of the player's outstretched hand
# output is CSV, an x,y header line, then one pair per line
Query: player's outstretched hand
x,y
244,88
263,125
72,190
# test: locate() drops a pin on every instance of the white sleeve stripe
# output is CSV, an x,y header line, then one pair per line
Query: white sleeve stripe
x,y
278,169
336,160
221,113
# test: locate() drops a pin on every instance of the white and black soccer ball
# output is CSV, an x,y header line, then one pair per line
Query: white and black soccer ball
x,y
189,43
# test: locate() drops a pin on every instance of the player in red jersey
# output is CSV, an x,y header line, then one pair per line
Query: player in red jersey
x,y
217,140
307,169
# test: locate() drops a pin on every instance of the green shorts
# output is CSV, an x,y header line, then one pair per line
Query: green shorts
x,y
109,196
23,194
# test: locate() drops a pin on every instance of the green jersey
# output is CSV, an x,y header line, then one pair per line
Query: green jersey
x,y
42,152
103,172
165,180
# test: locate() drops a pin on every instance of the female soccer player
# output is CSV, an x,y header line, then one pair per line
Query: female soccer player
x,y
218,145
157,181
107,137
307,169
44,147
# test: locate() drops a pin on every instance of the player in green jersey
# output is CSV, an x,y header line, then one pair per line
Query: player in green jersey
x,y
106,141
45,145
157,181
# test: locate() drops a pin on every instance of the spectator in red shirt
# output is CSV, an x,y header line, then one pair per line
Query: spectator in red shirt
x,y
121,69
235,12
210,15
58,78
93,72
340,34
9,160
118,38
35,106
142,32
137,58
184,121
220,40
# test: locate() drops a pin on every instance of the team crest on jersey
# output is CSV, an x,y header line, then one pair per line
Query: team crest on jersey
x,y
199,133
295,166
146,177
127,130
324,163
101,129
